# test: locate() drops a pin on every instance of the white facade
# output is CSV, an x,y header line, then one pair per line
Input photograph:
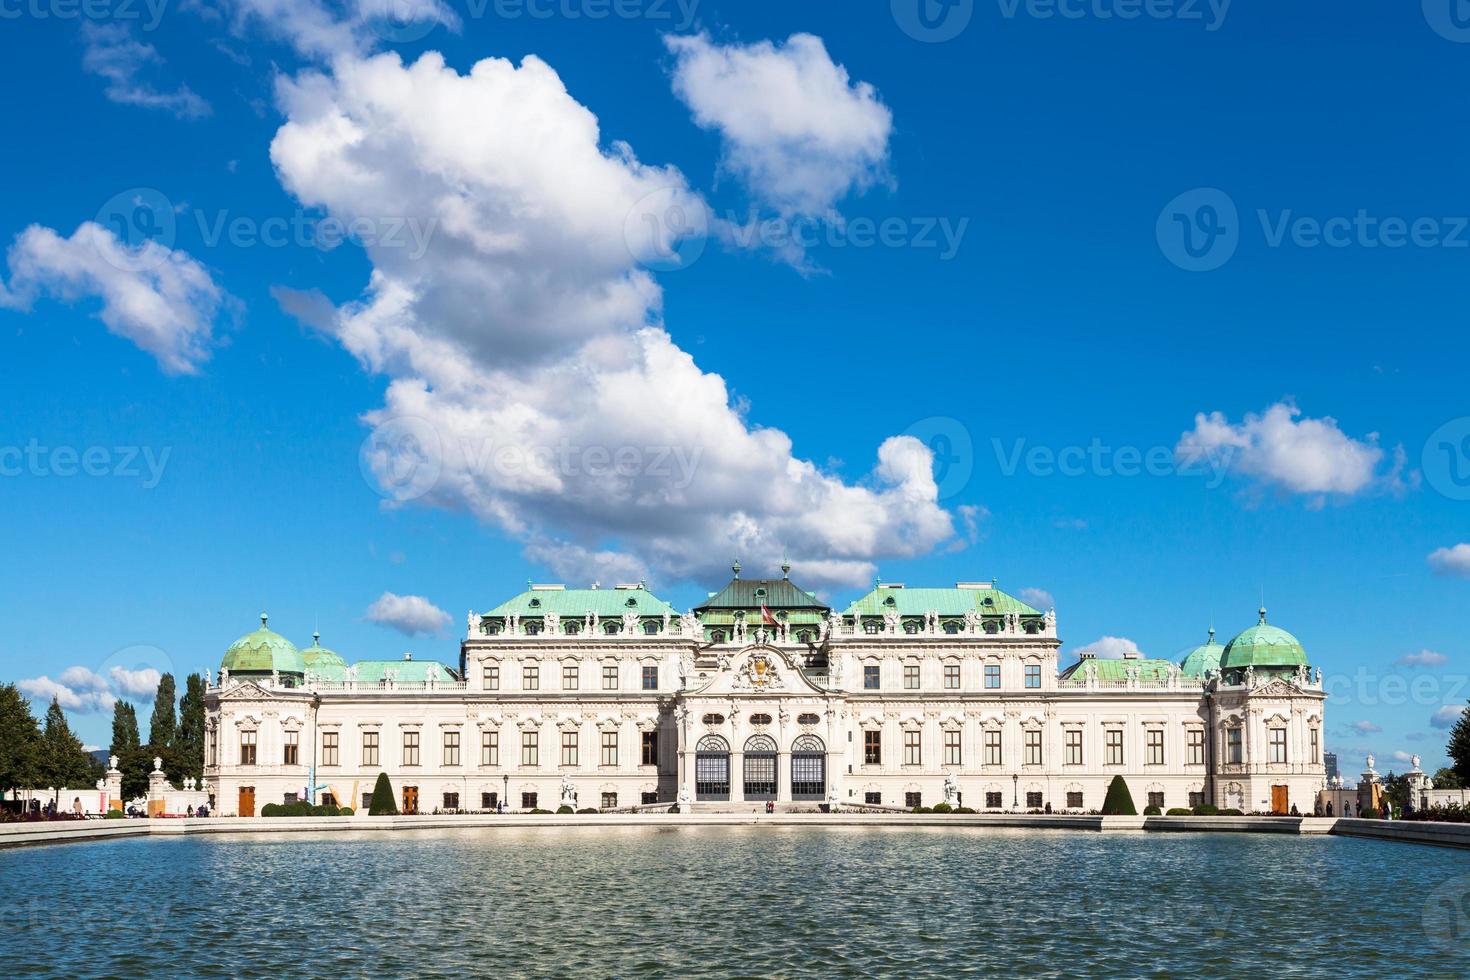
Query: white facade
x,y
860,713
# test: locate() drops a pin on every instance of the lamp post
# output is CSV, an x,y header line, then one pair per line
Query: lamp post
x,y
504,801
1015,789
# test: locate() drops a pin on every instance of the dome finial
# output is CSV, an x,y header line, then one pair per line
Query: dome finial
x,y
1262,611
785,568
1212,633
263,618
316,638
735,567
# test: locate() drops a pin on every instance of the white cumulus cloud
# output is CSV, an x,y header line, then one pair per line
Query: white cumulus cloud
x,y
1447,716
82,699
796,130
1109,648
525,346
410,614
159,298
135,684
1451,561
1424,658
1282,449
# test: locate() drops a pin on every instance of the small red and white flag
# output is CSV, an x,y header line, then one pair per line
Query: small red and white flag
x,y
767,617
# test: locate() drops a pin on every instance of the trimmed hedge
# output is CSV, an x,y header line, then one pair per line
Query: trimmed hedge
x,y
114,815
539,810
1118,802
1179,811
1206,810
382,803
943,808
1231,813
588,809
922,809
963,809
1152,811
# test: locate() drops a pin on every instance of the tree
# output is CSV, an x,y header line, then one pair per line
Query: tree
x,y
163,725
132,758
1396,790
1118,802
1458,748
188,754
382,803
20,741
124,729
63,760
1447,778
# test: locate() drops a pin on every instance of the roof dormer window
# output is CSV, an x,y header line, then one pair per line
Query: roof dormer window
x,y
535,603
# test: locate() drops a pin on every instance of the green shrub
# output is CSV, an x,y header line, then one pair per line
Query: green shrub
x,y
271,810
382,803
1231,813
1179,811
539,810
588,809
1206,810
565,809
963,809
114,815
1118,802
943,808
1371,813
345,811
922,809
1152,811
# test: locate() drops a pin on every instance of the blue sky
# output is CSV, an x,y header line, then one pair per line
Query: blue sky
x,y
1031,298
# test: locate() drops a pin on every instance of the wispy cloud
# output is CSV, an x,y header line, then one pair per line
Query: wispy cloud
x,y
114,54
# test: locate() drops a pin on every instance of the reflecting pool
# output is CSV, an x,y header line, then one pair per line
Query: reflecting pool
x,y
755,901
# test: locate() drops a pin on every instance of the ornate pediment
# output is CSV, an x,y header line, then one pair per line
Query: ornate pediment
x,y
245,691
758,669
1275,688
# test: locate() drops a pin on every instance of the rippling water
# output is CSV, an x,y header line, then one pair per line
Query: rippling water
x,y
683,902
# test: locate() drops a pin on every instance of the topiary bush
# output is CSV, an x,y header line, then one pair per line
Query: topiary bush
x,y
539,810
1118,802
1179,811
382,803
271,810
1232,812
114,815
345,811
565,809
922,809
963,809
588,809
943,808
1152,811
1206,810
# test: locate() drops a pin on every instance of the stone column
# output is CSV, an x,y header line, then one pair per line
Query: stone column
x,y
112,783
157,786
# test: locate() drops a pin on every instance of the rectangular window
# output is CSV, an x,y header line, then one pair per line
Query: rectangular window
x,y
489,801
370,748
528,801
1074,801
952,747
569,748
1155,744
451,748
489,748
292,748
1074,747
569,677
492,677
1196,746
289,797
213,747
609,801
530,748
609,748
1278,745
531,678
910,677
873,799
609,677
1316,757
872,748
1232,746
1196,799
1033,801
410,748
1033,675
650,749
1156,799
952,677
912,800
329,748
992,801
1033,746
367,801
247,748
1115,747
870,677
992,677
912,754
451,801
992,746
649,796
650,678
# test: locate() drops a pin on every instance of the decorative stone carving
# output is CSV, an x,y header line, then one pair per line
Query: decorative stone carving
x,y
630,623
568,791
951,789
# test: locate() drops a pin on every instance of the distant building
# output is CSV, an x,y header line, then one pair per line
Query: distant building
x,y
611,698
1329,762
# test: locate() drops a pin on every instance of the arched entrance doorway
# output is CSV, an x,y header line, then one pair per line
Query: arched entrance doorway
x,y
760,768
808,768
712,768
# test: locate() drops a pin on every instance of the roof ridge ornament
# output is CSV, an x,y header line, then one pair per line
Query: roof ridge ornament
x,y
735,567
263,618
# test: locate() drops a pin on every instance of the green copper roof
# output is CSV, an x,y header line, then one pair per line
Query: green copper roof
x,y
317,656
947,602
1112,670
750,594
261,652
605,603
1263,645
1202,659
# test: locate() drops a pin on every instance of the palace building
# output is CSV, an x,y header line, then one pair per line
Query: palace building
x,y
610,698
